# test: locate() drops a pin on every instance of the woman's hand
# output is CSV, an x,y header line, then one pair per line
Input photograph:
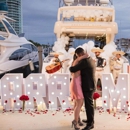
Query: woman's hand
x,y
80,58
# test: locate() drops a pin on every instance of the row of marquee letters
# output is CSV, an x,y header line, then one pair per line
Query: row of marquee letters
x,y
54,91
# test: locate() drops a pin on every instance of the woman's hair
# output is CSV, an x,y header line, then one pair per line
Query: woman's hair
x,y
74,57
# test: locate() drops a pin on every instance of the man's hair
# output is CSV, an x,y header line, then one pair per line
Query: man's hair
x,y
79,50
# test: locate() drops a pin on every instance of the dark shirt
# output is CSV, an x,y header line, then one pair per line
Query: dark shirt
x,y
87,69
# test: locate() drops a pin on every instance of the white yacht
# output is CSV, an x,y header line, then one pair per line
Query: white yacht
x,y
15,50
86,18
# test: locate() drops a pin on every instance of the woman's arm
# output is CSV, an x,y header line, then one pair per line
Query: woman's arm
x,y
79,59
83,57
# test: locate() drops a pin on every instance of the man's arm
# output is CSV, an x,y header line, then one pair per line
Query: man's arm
x,y
81,65
120,61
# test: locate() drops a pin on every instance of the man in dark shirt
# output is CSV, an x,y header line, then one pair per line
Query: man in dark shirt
x,y
87,68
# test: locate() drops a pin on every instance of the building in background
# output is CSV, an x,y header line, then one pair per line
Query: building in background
x,y
123,44
15,12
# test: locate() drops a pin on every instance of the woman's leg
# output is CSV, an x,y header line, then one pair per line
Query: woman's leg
x,y
78,105
74,104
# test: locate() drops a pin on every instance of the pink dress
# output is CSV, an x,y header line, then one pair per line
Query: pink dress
x,y
75,88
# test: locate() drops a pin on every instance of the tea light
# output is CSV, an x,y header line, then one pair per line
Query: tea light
x,y
1,108
41,106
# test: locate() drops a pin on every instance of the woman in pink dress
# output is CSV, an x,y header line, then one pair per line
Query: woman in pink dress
x,y
76,93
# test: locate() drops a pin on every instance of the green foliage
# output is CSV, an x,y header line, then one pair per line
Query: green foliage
x,y
38,44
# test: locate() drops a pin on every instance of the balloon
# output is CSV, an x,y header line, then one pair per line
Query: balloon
x,y
111,47
71,51
62,36
89,48
65,42
85,46
79,46
62,51
67,38
53,48
91,43
59,39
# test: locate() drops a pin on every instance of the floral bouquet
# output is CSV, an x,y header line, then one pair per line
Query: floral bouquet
x,y
95,96
24,98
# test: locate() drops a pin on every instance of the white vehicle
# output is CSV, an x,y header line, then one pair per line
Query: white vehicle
x,y
86,18
15,51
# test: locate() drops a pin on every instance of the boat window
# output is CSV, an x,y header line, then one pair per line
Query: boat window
x,y
2,28
34,48
19,54
2,38
28,46
10,29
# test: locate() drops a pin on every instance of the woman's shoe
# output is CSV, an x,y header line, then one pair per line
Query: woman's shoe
x,y
74,123
80,123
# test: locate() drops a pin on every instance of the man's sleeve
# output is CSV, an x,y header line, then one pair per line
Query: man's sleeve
x,y
120,62
81,65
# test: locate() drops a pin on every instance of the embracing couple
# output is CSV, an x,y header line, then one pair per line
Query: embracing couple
x,y
82,87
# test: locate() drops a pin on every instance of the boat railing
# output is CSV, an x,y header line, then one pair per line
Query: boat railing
x,y
86,3
86,13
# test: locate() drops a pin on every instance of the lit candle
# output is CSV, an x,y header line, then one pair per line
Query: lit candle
x,y
128,110
110,109
114,109
1,108
44,106
41,106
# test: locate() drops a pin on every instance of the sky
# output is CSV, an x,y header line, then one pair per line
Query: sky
x,y
39,17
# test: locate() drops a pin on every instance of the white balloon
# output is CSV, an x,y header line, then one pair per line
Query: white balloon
x,y
67,38
71,51
111,47
59,39
62,51
53,48
91,43
79,46
89,48
62,36
66,42
85,46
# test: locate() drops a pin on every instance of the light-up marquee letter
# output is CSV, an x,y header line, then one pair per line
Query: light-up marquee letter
x,y
35,89
11,88
58,88
115,92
